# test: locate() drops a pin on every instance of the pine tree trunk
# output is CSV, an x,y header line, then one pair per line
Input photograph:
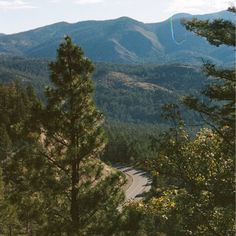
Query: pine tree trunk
x,y
74,192
10,231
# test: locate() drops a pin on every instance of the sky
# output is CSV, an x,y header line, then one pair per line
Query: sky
x,y
21,15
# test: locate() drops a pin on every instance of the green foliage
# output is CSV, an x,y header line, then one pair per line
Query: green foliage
x,y
74,141
17,145
130,143
8,219
220,111
193,188
202,28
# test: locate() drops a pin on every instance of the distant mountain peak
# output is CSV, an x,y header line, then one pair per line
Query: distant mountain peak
x,y
181,15
126,19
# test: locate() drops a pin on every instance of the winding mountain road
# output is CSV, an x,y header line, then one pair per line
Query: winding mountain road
x,y
138,182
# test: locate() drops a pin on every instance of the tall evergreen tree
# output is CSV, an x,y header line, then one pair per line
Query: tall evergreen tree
x,y
74,140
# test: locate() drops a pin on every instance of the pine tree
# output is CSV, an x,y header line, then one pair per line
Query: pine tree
x,y
22,170
5,143
8,216
219,112
74,139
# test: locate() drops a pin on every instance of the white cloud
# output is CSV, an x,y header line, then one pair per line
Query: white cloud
x,y
199,6
86,2
15,4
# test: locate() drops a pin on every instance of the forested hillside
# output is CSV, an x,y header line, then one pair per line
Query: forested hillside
x,y
123,92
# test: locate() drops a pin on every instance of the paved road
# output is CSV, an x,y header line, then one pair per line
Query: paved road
x,y
138,182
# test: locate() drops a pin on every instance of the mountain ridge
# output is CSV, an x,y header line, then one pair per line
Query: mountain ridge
x,y
123,40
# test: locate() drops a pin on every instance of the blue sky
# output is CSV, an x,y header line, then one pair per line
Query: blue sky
x,y
21,15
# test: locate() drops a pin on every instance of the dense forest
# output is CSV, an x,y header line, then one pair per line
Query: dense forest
x,y
124,93
57,144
